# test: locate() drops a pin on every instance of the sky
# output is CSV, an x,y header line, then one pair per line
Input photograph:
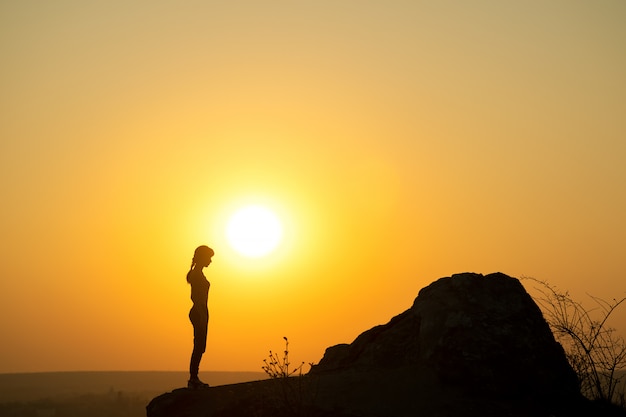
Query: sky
x,y
397,142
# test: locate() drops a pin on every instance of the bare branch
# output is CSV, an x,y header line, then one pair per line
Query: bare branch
x,y
593,349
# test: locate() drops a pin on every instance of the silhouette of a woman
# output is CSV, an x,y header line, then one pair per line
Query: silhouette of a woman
x,y
199,313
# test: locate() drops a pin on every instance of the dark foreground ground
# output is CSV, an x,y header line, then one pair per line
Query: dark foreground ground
x,y
353,395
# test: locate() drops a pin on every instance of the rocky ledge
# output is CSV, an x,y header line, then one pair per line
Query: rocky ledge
x,y
471,345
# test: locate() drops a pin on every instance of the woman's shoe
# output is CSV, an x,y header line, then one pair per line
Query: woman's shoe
x,y
195,383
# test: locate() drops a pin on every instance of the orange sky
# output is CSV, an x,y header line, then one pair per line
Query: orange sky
x,y
398,142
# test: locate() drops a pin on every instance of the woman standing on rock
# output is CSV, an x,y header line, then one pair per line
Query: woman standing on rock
x,y
199,313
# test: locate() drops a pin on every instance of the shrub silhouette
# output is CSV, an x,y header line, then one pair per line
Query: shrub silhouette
x,y
276,367
593,349
293,397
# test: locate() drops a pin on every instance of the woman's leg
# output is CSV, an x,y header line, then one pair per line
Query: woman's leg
x,y
200,327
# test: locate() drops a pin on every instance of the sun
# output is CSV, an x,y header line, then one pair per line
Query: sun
x,y
254,231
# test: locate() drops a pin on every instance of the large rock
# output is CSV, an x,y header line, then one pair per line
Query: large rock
x,y
471,345
481,333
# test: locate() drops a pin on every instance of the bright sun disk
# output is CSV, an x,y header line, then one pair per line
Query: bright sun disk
x,y
254,231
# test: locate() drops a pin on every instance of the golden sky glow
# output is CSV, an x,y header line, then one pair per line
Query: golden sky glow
x,y
397,142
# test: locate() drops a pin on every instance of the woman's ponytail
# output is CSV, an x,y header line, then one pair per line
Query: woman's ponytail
x,y
193,262
200,253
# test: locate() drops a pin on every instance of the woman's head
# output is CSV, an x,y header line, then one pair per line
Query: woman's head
x,y
202,256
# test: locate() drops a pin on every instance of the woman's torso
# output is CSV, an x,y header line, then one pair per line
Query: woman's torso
x,y
199,289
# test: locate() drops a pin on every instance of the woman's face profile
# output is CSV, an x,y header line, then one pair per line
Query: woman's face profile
x,y
205,260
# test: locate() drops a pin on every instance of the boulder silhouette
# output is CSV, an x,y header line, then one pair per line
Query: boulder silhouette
x,y
478,332
470,345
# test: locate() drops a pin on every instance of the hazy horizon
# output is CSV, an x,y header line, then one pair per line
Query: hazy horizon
x,y
32,386
395,143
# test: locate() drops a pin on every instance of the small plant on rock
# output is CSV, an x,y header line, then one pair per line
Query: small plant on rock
x,y
291,394
277,367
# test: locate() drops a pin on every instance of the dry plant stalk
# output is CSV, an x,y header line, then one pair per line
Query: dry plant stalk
x,y
593,349
277,367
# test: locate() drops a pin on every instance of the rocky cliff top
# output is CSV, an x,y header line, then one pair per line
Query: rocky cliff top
x,y
470,345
